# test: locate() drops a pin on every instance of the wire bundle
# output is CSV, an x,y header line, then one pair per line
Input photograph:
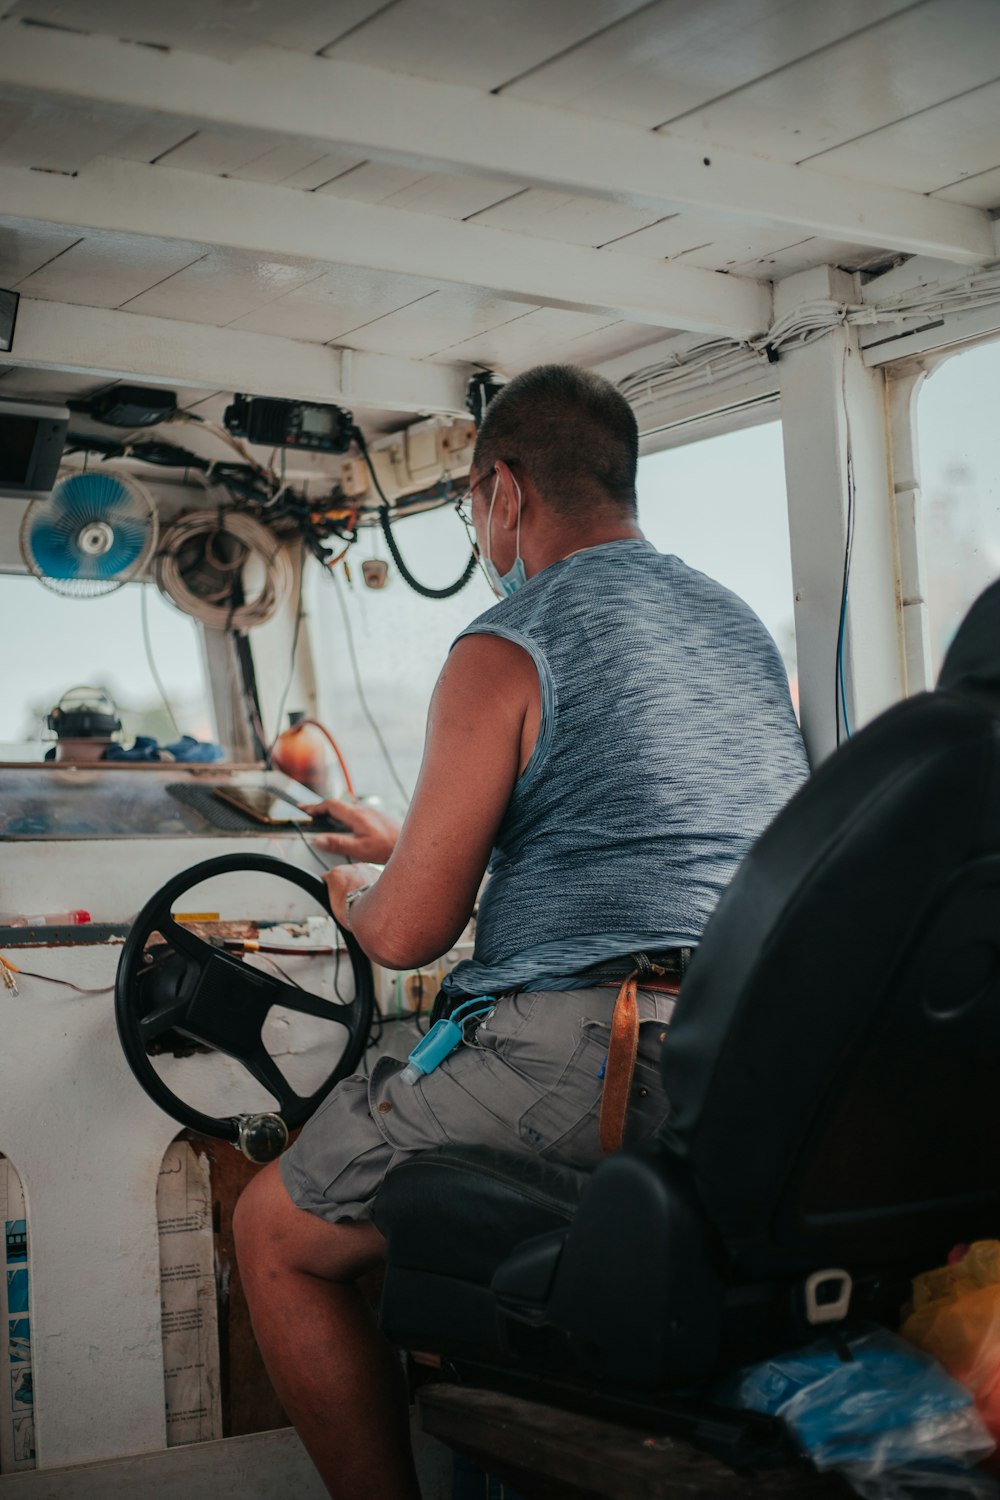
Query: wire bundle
x,y
202,565
720,359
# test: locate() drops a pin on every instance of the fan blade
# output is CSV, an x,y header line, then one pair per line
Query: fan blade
x,y
48,545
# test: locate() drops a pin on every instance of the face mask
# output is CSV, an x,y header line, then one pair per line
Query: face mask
x,y
509,583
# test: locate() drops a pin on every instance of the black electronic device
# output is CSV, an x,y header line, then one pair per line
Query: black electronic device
x,y
8,317
479,392
306,425
129,406
32,439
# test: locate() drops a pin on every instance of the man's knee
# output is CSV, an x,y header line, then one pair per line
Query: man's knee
x,y
272,1235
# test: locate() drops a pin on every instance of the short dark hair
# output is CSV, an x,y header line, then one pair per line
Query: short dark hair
x,y
571,431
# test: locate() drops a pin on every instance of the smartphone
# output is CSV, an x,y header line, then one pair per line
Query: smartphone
x,y
263,804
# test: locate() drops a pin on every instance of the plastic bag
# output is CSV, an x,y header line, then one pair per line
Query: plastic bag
x,y
887,1417
956,1318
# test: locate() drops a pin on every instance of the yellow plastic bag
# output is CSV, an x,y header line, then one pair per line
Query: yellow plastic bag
x,y
956,1318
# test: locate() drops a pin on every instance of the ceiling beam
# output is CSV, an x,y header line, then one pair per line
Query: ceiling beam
x,y
123,345
451,127
279,224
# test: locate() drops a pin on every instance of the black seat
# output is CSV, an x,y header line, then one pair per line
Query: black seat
x,y
832,1070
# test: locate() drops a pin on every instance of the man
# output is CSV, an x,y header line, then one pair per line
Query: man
x,y
610,739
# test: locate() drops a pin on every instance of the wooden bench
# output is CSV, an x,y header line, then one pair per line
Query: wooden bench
x,y
548,1453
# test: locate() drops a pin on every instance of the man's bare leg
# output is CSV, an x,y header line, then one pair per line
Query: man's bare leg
x,y
337,1377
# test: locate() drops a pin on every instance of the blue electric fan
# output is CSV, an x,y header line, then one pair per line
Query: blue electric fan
x,y
93,533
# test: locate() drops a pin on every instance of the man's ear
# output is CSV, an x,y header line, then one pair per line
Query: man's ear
x,y
510,495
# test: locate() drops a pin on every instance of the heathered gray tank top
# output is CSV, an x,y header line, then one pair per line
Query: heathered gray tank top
x,y
667,744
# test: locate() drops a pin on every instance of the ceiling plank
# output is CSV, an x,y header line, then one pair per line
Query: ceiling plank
x,y
122,345
168,203
442,126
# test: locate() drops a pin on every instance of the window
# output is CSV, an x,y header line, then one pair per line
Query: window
x,y
400,640
960,483
54,644
721,506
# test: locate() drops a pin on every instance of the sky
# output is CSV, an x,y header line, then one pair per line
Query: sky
x,y
718,503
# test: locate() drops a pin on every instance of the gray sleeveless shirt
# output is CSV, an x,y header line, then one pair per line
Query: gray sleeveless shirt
x,y
667,744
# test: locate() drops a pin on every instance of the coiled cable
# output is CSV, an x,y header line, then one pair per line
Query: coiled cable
x,y
202,563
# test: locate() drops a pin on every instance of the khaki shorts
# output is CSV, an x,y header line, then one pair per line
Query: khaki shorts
x,y
528,1079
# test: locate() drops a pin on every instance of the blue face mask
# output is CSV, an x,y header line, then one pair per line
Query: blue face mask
x,y
503,585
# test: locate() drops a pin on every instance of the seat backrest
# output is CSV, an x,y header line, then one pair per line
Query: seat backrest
x,y
833,1066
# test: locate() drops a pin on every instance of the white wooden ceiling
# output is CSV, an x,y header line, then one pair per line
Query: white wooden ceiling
x,y
567,183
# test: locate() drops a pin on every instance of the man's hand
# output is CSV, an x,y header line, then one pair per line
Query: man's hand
x,y
343,879
371,835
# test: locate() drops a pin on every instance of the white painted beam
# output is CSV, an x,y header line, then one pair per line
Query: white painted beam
x,y
278,223
884,344
441,126
831,404
102,341
902,393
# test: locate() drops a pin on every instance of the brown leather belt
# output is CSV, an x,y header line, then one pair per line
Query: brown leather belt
x,y
619,1069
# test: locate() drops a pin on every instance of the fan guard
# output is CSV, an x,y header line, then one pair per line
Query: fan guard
x,y
92,534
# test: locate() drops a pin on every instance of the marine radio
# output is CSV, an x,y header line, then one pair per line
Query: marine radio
x,y
309,426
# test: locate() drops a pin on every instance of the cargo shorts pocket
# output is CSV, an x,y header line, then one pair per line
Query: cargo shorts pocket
x,y
563,1123
474,1098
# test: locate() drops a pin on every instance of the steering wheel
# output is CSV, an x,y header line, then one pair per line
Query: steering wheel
x,y
215,999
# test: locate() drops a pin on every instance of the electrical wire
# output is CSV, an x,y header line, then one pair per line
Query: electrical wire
x,y
295,648
338,753
716,360
217,430
51,979
840,702
202,583
839,684
420,588
143,609
248,691
316,856
359,685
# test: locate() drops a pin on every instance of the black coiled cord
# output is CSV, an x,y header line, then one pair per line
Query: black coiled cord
x,y
390,540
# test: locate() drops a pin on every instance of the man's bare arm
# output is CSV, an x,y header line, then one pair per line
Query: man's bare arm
x,y
481,729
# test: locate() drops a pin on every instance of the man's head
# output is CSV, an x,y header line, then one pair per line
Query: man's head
x,y
554,468
570,433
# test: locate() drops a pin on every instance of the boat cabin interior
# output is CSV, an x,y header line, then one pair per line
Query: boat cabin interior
x,y
263,266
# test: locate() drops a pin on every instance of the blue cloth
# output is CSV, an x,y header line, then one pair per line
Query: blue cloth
x,y
187,748
667,744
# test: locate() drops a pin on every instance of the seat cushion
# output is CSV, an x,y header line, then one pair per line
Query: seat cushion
x,y
460,1210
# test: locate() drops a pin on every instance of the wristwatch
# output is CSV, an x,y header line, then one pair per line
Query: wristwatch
x,y
350,899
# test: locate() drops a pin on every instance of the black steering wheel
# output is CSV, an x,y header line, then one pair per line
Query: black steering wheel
x,y
212,998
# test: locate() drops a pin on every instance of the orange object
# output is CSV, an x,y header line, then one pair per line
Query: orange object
x,y
956,1318
300,751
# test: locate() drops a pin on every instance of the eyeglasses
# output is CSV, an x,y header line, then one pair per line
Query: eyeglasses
x,y
463,504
